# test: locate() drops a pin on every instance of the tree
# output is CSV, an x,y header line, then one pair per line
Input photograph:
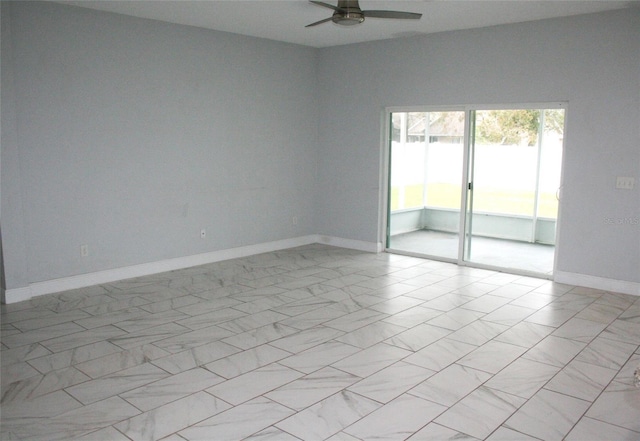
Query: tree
x,y
554,121
508,126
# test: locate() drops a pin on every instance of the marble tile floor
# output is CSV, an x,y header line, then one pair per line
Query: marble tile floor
x,y
322,343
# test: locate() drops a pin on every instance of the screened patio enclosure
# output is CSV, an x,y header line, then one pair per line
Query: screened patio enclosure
x,y
479,186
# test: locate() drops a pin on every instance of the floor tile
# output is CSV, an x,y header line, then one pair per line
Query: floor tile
x,y
588,428
73,423
73,356
271,434
259,336
328,417
551,316
388,383
626,374
433,431
315,358
450,384
371,334
239,422
476,289
580,330
111,318
371,360
310,389
215,317
534,300
525,334
486,304
151,321
523,377
606,353
456,319
492,357
172,417
44,406
306,339
440,354
170,304
24,353
396,304
398,420
55,319
108,433
581,380
412,316
17,372
39,385
189,340
555,351
341,436
601,313
509,315
242,362
355,320
624,330
618,405
429,292
548,415
253,321
148,335
510,290
170,389
192,358
481,412
418,337
41,335
110,385
255,383
447,302
505,434
478,332
313,318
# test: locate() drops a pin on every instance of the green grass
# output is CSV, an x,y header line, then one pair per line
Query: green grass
x,y
485,200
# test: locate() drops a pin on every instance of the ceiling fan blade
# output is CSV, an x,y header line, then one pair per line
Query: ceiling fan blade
x,y
392,14
327,5
319,22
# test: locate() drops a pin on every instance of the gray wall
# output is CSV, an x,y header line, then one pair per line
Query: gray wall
x,y
131,135
591,61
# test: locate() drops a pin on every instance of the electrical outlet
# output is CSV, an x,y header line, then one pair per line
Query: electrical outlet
x,y
203,233
84,250
625,182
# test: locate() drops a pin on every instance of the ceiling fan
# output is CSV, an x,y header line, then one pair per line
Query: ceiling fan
x,y
348,13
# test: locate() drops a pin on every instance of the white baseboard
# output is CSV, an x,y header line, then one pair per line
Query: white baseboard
x,y
360,245
16,295
21,294
99,277
611,285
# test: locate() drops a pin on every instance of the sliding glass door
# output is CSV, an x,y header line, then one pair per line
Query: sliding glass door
x,y
489,176
513,180
425,182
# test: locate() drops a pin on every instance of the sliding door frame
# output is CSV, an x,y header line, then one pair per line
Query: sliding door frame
x,y
463,228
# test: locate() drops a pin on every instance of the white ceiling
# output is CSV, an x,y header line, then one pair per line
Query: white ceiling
x,y
285,20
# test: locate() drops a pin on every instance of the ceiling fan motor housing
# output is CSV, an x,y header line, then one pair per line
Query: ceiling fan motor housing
x,y
348,18
350,13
